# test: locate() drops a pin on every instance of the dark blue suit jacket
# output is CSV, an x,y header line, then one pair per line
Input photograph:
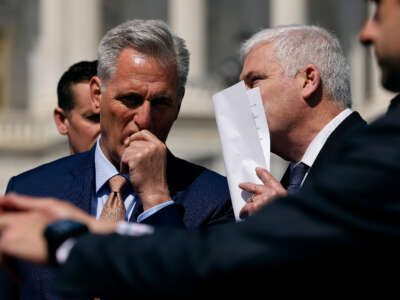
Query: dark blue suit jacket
x,y
201,199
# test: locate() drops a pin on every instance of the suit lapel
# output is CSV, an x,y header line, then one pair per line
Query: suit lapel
x,y
334,141
81,189
173,173
352,122
77,188
285,177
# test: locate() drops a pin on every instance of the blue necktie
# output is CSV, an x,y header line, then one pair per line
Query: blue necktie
x,y
297,173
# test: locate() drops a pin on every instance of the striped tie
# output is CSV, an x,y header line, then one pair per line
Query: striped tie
x,y
296,176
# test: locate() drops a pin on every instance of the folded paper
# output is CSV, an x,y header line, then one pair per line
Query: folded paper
x,y
244,136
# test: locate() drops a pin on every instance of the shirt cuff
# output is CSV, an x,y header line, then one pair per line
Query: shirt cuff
x,y
63,251
153,210
133,229
123,228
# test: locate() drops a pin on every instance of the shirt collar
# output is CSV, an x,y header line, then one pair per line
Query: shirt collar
x,y
319,140
104,169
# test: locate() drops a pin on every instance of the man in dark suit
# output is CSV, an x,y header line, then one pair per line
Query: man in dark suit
x,y
304,82
74,115
138,92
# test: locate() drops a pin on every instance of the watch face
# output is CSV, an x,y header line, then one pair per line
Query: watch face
x,y
66,226
58,232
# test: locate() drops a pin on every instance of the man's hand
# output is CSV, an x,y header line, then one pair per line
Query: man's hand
x,y
146,159
22,236
262,193
23,220
51,209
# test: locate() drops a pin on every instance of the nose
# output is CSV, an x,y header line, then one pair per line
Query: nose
x,y
368,32
142,115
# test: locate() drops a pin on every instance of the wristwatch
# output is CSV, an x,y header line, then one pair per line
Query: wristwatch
x,y
58,232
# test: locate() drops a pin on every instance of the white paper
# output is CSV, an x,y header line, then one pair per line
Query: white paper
x,y
244,136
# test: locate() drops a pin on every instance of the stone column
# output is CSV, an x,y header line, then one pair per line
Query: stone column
x,y
194,135
187,19
68,33
82,31
5,54
288,12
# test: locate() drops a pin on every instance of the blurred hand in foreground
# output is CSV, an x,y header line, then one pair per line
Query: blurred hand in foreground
x,y
23,220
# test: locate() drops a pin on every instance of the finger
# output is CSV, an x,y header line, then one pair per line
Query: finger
x,y
21,202
134,137
248,210
138,144
269,180
265,176
129,157
252,187
9,218
5,203
255,207
260,201
143,135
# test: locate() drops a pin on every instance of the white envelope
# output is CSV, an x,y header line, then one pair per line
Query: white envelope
x,y
244,136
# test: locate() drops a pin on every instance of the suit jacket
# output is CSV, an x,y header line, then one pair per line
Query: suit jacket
x,y
341,229
394,104
351,123
201,199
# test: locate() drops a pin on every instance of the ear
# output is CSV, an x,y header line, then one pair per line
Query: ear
x,y
310,80
61,120
95,93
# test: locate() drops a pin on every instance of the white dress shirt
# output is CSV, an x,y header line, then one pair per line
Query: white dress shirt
x,y
319,140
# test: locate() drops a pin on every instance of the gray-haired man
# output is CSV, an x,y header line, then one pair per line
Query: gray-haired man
x,y
304,81
140,85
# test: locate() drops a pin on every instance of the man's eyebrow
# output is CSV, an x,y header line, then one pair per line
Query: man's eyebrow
x,y
163,94
252,74
89,113
127,94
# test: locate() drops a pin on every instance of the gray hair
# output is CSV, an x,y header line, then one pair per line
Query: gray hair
x,y
296,46
151,37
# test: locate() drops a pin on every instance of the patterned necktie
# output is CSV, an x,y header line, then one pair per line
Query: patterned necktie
x,y
296,176
114,209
